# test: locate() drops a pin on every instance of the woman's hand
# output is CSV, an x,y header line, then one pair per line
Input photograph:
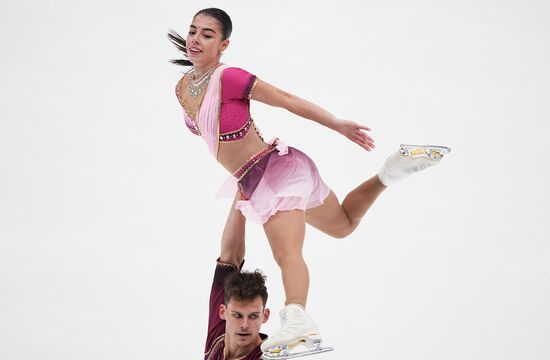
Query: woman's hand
x,y
356,133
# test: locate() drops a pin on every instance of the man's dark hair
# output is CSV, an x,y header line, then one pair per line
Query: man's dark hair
x,y
245,286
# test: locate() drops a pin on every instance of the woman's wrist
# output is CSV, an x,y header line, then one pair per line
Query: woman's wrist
x,y
335,124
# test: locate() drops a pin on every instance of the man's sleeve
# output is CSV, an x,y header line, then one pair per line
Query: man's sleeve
x,y
216,326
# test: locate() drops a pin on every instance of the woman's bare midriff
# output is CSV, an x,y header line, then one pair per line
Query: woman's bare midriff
x,y
232,155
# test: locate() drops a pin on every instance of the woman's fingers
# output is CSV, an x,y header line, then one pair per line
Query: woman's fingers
x,y
361,141
365,136
357,133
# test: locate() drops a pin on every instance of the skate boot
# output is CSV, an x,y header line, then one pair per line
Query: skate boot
x,y
410,159
298,336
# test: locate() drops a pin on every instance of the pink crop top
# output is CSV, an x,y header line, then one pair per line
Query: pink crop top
x,y
235,120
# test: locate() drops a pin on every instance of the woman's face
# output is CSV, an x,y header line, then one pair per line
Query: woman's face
x,y
204,40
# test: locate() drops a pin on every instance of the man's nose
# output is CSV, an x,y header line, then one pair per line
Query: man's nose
x,y
244,324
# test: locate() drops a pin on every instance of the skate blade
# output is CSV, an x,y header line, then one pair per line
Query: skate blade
x,y
281,353
432,152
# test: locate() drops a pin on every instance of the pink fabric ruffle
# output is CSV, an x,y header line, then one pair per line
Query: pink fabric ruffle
x,y
284,180
209,112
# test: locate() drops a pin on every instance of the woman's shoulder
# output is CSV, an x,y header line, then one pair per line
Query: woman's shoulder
x,y
232,74
180,82
237,83
178,86
231,70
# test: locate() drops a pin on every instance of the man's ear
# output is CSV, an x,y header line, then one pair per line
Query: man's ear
x,y
222,311
266,315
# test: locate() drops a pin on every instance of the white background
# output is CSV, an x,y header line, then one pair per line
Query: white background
x,y
108,223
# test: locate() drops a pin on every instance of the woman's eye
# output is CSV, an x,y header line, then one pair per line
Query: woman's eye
x,y
192,33
208,36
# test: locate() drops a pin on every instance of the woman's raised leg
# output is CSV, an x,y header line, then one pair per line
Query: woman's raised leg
x,y
339,220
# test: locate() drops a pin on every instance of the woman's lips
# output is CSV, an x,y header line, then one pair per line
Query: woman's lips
x,y
194,50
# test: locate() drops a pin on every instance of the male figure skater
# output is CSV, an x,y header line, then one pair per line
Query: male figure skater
x,y
237,300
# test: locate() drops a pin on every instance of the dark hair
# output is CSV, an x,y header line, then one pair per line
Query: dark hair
x,y
223,19
245,286
218,14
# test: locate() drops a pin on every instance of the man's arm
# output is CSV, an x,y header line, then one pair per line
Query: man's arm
x,y
233,242
230,260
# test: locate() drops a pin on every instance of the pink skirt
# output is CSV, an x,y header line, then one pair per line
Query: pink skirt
x,y
278,181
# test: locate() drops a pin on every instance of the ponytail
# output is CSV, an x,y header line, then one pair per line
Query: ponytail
x,y
180,43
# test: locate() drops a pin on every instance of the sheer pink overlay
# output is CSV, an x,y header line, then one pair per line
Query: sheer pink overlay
x,y
209,113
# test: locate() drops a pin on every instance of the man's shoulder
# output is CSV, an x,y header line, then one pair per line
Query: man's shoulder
x,y
215,347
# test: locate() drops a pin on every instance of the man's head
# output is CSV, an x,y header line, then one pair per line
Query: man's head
x,y
244,307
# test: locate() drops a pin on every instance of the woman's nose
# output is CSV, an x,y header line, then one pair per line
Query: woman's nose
x,y
195,38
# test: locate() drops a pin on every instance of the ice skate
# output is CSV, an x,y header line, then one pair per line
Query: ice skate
x,y
410,159
298,336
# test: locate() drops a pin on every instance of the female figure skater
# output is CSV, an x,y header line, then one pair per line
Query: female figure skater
x,y
278,186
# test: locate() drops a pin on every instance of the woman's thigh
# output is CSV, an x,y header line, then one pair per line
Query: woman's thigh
x,y
330,217
285,231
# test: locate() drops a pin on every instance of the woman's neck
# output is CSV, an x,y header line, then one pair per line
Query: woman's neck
x,y
200,70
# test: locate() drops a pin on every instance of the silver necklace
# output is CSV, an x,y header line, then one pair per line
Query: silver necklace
x,y
196,86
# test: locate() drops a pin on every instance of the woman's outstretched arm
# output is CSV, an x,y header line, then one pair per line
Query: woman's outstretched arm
x,y
273,96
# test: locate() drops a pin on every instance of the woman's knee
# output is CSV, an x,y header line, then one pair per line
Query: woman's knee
x,y
284,258
344,230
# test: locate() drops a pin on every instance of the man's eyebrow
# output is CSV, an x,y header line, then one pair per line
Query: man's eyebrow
x,y
252,313
205,29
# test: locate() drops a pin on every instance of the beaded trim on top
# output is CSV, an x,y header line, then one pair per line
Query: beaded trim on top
x,y
238,134
243,170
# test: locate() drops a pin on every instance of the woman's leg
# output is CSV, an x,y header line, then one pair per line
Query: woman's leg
x,y
340,220
285,231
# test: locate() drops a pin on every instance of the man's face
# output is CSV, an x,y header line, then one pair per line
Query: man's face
x,y
243,321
